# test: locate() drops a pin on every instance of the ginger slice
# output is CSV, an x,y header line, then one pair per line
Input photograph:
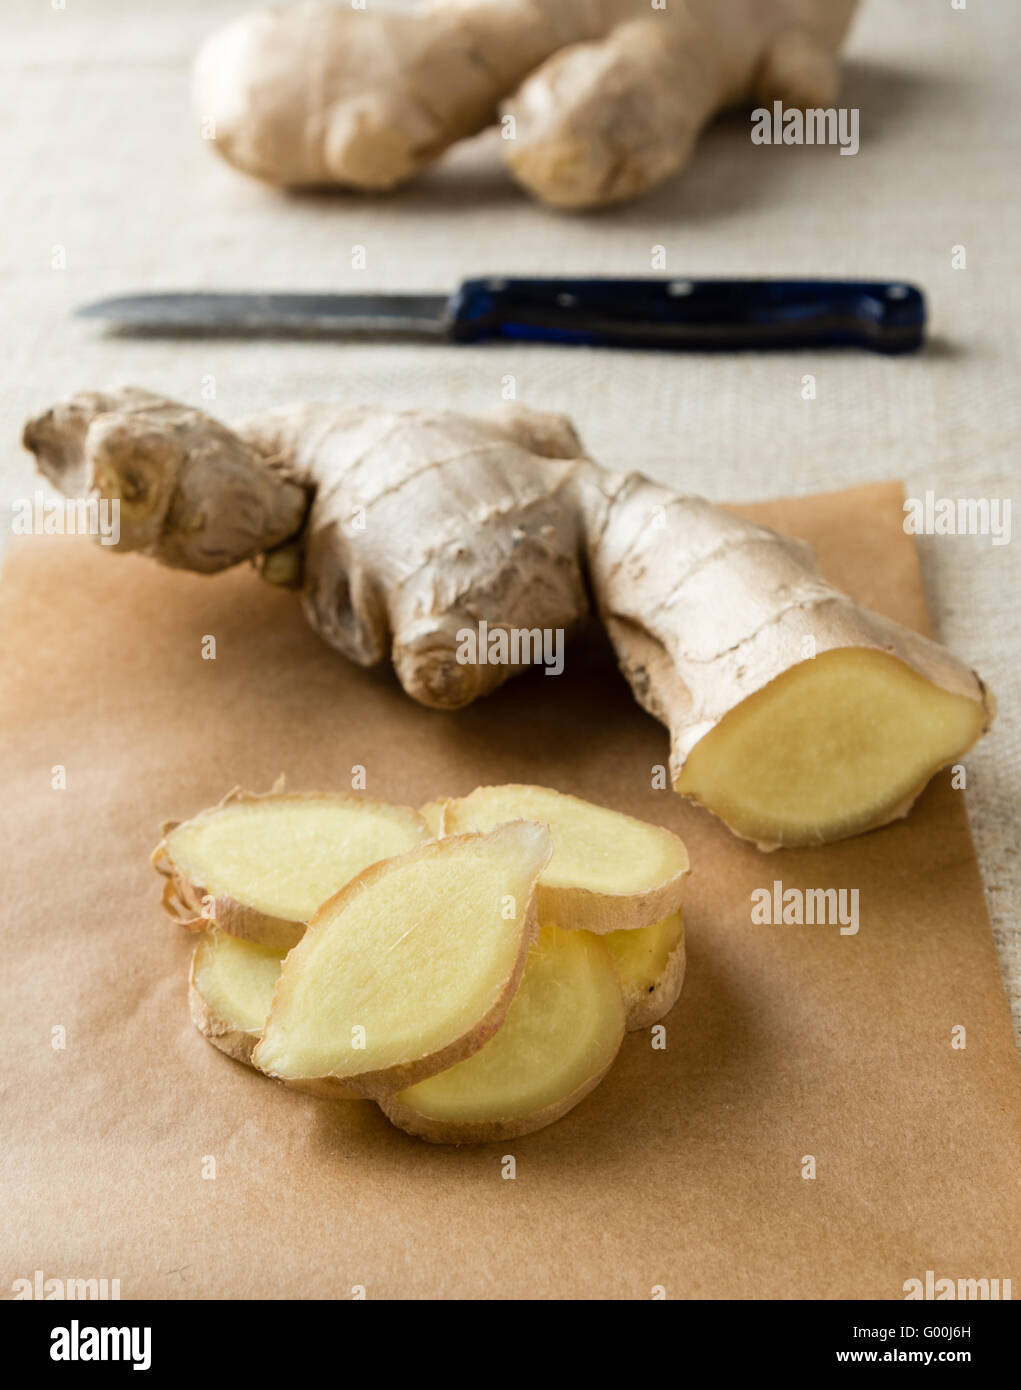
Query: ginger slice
x,y
650,965
412,966
230,992
562,1033
260,866
834,746
609,872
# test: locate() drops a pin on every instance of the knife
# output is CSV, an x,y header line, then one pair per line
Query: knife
x,y
696,315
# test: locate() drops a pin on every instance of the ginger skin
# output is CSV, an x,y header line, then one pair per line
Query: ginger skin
x,y
599,100
401,528
171,468
407,529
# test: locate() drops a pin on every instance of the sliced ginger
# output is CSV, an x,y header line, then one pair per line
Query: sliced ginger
x,y
410,968
609,871
231,990
562,1031
833,746
230,994
421,983
561,1034
650,967
268,862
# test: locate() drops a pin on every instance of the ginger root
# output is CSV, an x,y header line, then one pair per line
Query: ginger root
x,y
598,100
795,715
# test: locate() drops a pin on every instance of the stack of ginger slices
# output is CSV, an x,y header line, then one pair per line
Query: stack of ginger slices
x,y
472,967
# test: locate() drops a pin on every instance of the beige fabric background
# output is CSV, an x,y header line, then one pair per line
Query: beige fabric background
x,y
100,156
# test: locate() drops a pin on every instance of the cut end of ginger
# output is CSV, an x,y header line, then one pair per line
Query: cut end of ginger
x,y
412,967
835,746
608,870
561,1034
270,861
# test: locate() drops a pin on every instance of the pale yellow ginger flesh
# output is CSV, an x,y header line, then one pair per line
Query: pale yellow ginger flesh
x,y
230,994
650,967
267,863
412,967
561,1034
235,980
833,746
609,871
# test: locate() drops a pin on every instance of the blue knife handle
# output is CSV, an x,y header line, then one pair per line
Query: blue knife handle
x,y
697,315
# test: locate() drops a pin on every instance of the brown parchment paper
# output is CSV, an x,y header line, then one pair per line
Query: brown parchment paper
x,y
684,1168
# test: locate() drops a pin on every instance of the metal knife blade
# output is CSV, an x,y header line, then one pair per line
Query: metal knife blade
x,y
406,315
